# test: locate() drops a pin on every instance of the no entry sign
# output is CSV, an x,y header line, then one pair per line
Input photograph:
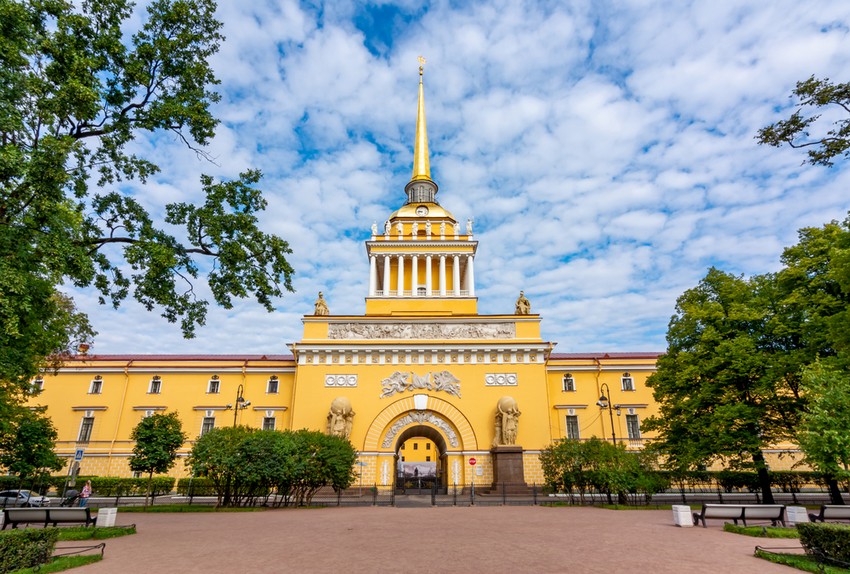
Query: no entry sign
x,y
472,461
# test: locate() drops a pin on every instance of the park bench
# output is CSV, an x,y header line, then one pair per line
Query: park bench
x,y
831,512
743,512
47,516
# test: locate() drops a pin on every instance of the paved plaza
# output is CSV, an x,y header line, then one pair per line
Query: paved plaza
x,y
516,540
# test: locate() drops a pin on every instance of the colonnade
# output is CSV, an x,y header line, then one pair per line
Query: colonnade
x,y
428,284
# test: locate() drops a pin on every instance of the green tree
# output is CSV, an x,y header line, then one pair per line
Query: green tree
x,y
600,465
29,451
158,438
246,464
814,96
725,389
822,434
76,90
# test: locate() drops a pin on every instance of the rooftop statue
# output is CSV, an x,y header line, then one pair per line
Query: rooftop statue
x,y
321,306
523,305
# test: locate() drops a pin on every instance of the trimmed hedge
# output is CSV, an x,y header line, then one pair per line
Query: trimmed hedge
x,y
201,486
114,486
833,540
26,548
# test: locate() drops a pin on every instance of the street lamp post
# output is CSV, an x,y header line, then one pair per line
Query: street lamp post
x,y
240,404
605,402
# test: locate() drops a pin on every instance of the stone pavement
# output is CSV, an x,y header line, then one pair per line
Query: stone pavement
x,y
516,540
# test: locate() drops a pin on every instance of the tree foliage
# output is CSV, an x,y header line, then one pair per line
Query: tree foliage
x,y
822,434
247,464
814,96
595,464
158,438
76,90
725,388
28,451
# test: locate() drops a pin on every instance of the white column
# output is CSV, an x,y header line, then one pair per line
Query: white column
x,y
414,275
401,275
428,290
470,276
386,275
442,275
456,274
373,275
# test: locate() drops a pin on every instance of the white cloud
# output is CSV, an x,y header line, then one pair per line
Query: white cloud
x,y
605,151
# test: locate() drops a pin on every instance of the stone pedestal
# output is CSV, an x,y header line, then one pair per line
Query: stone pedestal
x,y
682,516
795,515
507,467
106,517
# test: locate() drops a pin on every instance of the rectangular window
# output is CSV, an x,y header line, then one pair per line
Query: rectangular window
x,y
416,446
213,386
96,386
273,386
268,423
428,446
633,426
85,429
427,459
208,425
628,383
155,386
37,385
572,427
402,446
569,384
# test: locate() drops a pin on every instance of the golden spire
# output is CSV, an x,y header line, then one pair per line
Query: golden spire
x,y
421,163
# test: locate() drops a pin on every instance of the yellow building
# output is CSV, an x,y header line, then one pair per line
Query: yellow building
x,y
420,375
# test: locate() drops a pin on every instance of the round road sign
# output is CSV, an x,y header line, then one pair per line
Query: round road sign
x,y
472,461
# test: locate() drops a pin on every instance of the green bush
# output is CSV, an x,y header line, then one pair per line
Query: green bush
x,y
201,486
832,540
26,548
114,486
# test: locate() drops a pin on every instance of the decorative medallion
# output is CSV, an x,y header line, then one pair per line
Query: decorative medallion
x,y
500,379
340,380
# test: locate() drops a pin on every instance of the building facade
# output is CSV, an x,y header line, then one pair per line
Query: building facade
x,y
420,367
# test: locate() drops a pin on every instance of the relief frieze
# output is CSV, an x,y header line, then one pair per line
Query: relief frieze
x,y
421,331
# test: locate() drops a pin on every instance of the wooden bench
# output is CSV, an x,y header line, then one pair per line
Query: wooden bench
x,y
831,512
47,516
743,512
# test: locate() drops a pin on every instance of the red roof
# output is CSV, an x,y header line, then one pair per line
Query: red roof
x,y
92,357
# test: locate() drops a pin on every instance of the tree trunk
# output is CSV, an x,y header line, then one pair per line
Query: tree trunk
x,y
764,477
834,491
148,490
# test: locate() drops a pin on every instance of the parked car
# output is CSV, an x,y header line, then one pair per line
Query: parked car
x,y
22,498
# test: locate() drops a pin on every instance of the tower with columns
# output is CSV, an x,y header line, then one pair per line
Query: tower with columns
x,y
421,263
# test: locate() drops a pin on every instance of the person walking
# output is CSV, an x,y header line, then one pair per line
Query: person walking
x,y
84,495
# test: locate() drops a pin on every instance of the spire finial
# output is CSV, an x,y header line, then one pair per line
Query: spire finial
x,y
421,162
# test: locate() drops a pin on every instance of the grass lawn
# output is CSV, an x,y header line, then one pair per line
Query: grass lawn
x,y
88,533
188,508
762,531
61,563
800,562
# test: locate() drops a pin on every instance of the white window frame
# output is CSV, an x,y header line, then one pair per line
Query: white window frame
x,y
38,384
568,383
204,428
273,425
96,385
155,386
88,417
214,385
573,418
633,426
627,382
273,380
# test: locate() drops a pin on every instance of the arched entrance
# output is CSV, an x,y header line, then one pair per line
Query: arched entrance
x,y
415,473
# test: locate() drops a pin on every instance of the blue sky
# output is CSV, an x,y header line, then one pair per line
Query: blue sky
x,y
604,149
